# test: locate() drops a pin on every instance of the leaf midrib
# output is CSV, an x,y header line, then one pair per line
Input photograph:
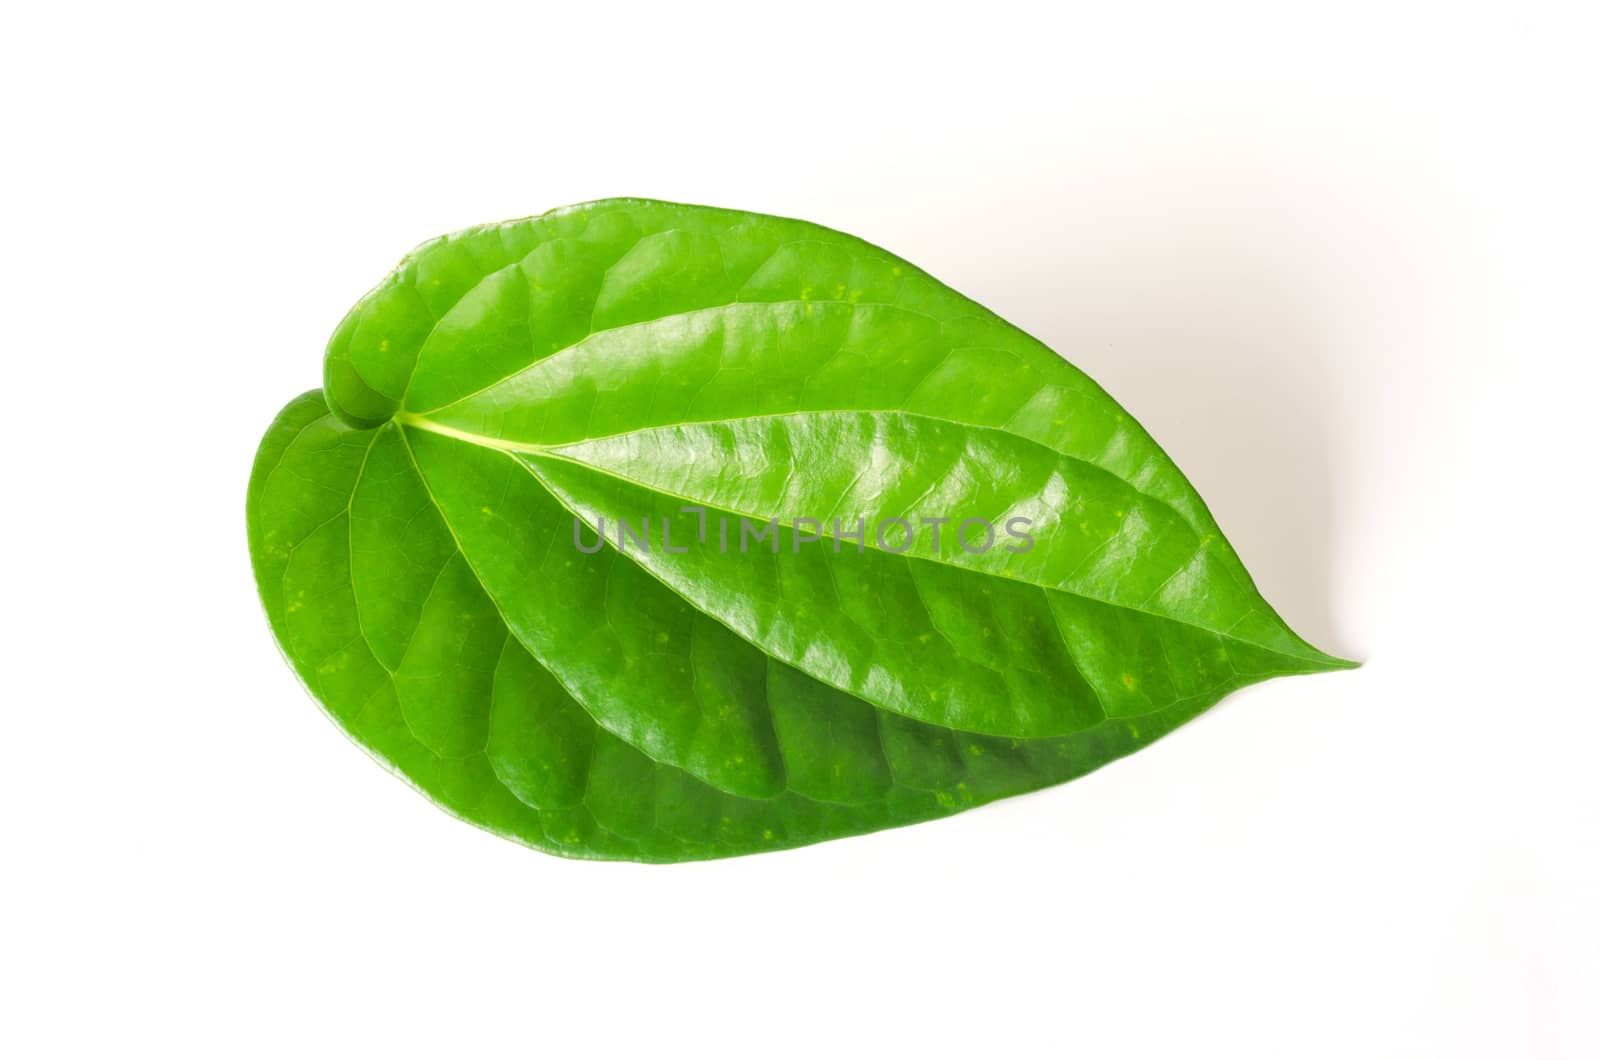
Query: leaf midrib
x,y
516,449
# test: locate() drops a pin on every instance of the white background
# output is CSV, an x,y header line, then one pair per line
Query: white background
x,y
1342,261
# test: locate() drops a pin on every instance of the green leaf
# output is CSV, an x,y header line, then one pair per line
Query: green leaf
x,y
512,391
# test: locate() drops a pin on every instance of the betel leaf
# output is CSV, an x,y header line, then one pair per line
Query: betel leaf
x,y
658,532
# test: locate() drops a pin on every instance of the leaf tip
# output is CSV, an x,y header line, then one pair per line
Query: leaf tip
x,y
1325,663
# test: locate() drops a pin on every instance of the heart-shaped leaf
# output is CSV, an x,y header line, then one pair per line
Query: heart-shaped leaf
x,y
661,532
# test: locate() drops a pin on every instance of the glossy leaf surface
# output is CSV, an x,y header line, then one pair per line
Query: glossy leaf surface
x,y
705,372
